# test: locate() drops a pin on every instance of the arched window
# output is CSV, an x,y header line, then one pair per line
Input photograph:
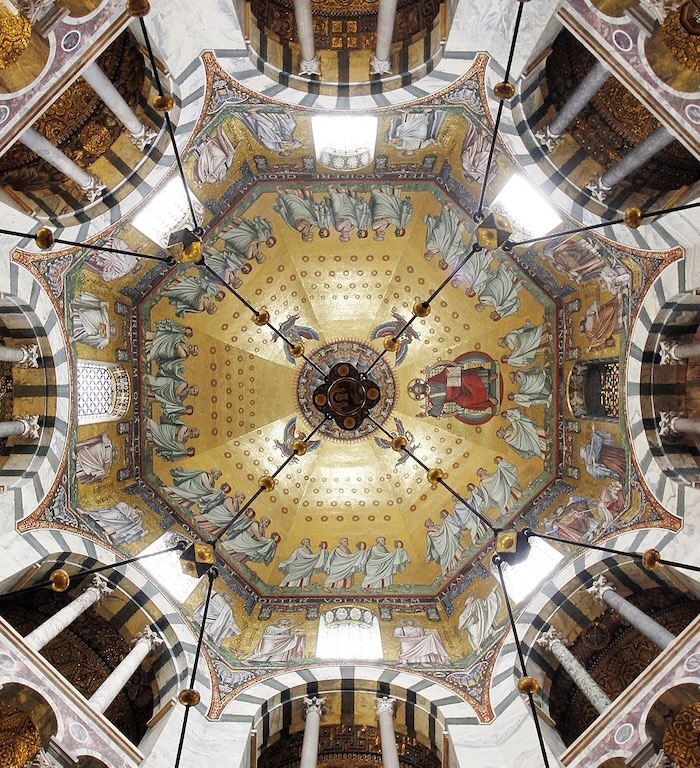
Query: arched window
x,y
594,390
349,632
104,392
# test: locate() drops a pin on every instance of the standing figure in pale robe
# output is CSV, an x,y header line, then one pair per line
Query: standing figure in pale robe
x,y
524,343
416,646
122,523
94,458
279,643
91,323
479,617
443,542
342,564
525,437
500,291
220,622
443,237
381,564
500,488
111,266
253,544
301,565
534,387
213,158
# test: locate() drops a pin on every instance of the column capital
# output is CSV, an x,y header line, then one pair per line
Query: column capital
x,y
550,638
668,353
600,586
310,66
30,426
100,585
667,423
379,66
385,704
314,704
148,636
30,356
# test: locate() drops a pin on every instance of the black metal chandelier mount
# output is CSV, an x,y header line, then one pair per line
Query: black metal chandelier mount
x,y
346,396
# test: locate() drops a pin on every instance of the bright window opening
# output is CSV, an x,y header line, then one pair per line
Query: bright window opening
x,y
522,579
166,570
526,207
104,392
344,142
349,633
167,212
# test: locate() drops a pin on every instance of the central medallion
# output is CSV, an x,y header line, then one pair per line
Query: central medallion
x,y
345,392
347,396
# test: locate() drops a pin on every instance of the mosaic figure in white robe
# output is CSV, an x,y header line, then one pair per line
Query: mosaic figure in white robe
x,y
474,275
216,517
500,488
220,623
94,458
524,343
169,439
121,523
168,343
91,324
381,565
253,543
388,209
443,237
170,391
342,564
475,153
349,212
302,564
525,437
213,157
193,294
418,646
479,617
443,542
302,213
500,291
279,642
534,387
112,266
415,130
274,130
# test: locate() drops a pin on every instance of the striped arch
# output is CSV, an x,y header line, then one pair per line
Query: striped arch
x,y
643,348
31,468
528,113
135,603
563,600
425,708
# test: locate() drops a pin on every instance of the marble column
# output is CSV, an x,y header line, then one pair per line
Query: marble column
x,y
674,353
385,715
91,186
309,63
633,160
145,642
24,356
52,627
603,590
104,88
309,747
554,642
584,92
21,426
673,424
386,16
